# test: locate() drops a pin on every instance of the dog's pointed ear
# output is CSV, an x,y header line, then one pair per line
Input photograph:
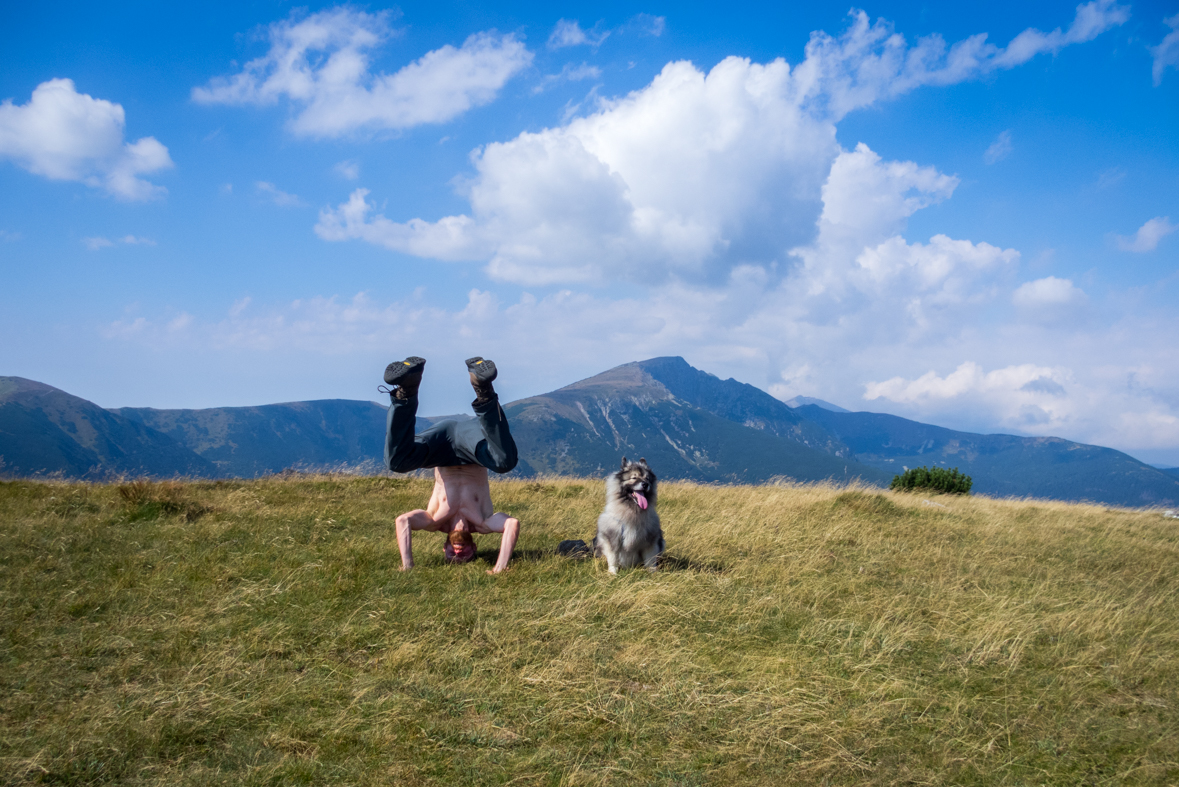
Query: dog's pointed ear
x,y
624,462
643,461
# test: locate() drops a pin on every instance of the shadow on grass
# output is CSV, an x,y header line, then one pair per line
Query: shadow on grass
x,y
668,561
672,562
518,555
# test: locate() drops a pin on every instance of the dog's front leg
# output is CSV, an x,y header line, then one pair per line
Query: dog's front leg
x,y
651,556
611,561
610,555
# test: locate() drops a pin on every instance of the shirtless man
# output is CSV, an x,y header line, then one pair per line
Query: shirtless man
x,y
461,453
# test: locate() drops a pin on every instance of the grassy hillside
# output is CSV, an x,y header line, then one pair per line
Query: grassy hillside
x,y
258,632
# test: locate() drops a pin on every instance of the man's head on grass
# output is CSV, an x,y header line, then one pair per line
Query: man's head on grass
x,y
459,547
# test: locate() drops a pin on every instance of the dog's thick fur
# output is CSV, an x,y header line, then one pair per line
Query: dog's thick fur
x,y
628,528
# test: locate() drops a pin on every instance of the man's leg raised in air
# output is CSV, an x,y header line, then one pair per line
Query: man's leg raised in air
x,y
402,452
487,440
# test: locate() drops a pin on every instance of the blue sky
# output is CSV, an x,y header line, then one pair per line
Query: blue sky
x,y
961,215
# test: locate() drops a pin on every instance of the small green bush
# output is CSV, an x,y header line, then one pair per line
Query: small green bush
x,y
937,479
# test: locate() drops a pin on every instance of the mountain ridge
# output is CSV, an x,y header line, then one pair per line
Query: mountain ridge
x,y
689,424
1002,465
44,430
251,441
584,427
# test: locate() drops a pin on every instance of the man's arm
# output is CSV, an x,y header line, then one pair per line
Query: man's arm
x,y
510,528
406,523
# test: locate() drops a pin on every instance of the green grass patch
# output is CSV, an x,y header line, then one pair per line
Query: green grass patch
x,y
260,633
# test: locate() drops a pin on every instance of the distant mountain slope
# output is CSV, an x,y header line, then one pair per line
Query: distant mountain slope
x,y
46,430
252,441
585,429
738,402
799,401
1002,465
1171,471
687,423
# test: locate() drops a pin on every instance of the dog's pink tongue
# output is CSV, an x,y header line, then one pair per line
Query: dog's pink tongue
x,y
642,501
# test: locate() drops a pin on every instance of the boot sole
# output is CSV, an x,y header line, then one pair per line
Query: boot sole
x,y
481,369
398,371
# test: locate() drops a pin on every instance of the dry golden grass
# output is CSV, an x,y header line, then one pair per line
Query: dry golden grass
x,y
259,632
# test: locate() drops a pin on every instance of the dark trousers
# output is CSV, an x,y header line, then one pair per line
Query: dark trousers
x,y
484,441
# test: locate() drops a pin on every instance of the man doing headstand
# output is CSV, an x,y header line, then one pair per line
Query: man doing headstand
x,y
461,453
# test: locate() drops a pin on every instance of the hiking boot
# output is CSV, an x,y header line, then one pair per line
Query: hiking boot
x,y
406,375
482,372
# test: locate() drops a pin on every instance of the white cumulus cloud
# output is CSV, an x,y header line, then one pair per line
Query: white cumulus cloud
x,y
1097,399
1148,236
1048,292
694,174
861,274
664,179
321,64
1019,396
729,226
968,378
62,134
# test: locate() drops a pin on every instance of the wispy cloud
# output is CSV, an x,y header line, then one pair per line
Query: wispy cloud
x,y
1110,177
999,149
321,65
99,242
649,24
96,243
278,196
1166,54
239,307
348,169
568,32
9,237
1148,236
870,62
570,73
62,134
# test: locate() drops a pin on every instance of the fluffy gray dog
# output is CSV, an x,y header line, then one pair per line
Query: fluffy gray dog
x,y
628,528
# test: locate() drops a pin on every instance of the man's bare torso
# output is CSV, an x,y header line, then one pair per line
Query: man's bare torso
x,y
461,499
